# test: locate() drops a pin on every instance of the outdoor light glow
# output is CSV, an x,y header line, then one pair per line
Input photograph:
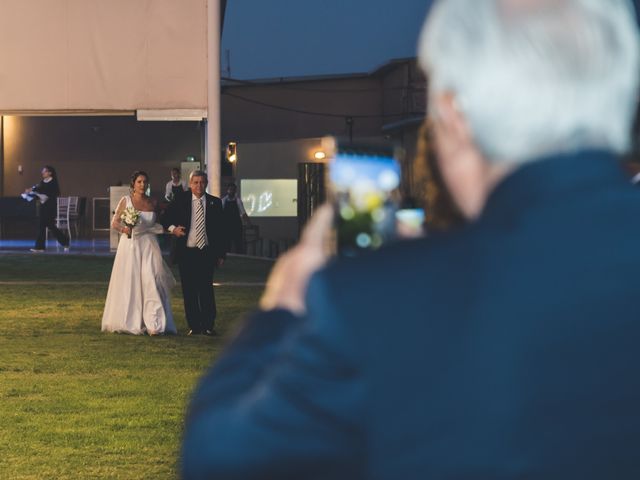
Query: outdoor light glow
x,y
319,155
347,212
363,240
378,215
232,152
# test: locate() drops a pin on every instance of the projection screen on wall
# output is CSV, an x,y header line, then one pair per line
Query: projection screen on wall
x,y
270,198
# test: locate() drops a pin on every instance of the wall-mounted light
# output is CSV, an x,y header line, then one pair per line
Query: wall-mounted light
x,y
232,152
319,155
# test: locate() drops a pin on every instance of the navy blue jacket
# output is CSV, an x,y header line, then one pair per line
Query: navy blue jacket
x,y
510,349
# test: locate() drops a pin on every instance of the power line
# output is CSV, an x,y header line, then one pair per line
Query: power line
x,y
320,114
321,90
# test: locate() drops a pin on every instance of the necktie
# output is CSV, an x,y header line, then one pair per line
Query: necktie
x,y
201,240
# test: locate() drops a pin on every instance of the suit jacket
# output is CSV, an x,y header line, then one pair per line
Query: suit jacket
x,y
179,213
507,350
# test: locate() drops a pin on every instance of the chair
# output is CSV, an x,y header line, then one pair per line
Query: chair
x,y
62,217
74,214
252,240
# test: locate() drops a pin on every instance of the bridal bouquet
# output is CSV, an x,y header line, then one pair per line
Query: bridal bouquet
x,y
130,217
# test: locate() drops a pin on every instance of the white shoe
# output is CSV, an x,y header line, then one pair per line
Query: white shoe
x,y
36,250
66,249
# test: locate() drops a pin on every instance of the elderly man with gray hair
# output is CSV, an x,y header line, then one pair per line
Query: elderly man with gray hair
x,y
194,218
508,349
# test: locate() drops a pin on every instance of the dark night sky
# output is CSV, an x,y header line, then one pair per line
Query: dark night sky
x,y
283,38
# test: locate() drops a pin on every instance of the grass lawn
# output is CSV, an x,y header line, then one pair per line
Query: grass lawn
x,y
79,404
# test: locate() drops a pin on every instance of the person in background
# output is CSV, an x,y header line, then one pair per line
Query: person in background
x,y
47,191
234,215
504,349
442,214
174,186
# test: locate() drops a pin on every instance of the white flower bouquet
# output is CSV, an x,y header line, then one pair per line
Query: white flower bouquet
x,y
130,217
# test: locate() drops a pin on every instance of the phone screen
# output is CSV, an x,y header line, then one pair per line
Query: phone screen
x,y
364,182
410,222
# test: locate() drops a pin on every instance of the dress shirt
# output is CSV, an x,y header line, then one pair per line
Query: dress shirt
x,y
191,238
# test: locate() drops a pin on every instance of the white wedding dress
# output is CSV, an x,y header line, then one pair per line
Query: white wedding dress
x,y
138,300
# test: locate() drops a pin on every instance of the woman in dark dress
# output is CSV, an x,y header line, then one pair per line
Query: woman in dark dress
x,y
48,191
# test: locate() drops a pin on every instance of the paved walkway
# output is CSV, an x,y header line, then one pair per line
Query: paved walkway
x,y
93,247
96,248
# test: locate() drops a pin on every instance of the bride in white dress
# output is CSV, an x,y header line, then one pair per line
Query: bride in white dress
x,y
138,300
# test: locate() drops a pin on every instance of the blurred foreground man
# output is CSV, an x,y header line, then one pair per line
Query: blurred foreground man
x,y
507,350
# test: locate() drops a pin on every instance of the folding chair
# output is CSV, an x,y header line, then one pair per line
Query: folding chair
x,y
62,217
74,214
252,240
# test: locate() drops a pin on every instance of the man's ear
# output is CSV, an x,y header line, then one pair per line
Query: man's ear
x,y
460,163
466,173
453,138
449,116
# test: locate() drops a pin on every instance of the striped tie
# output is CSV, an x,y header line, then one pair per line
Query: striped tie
x,y
201,239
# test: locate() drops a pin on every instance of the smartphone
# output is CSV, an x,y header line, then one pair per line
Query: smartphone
x,y
364,181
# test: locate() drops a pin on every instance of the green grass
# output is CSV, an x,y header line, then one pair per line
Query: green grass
x,y
78,403
97,269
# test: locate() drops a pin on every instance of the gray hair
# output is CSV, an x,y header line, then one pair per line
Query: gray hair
x,y
198,173
536,77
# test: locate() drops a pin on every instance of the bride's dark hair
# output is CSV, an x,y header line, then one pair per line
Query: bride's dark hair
x,y
442,213
134,177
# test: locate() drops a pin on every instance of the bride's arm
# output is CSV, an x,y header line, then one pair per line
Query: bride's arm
x,y
116,223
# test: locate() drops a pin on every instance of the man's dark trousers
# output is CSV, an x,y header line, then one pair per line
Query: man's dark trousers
x,y
196,274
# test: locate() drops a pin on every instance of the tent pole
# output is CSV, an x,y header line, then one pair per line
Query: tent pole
x,y
212,134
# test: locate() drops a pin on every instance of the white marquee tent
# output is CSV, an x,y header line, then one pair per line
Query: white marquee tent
x,y
157,59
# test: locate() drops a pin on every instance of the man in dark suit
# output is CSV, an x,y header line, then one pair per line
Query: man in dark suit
x,y
195,219
507,349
